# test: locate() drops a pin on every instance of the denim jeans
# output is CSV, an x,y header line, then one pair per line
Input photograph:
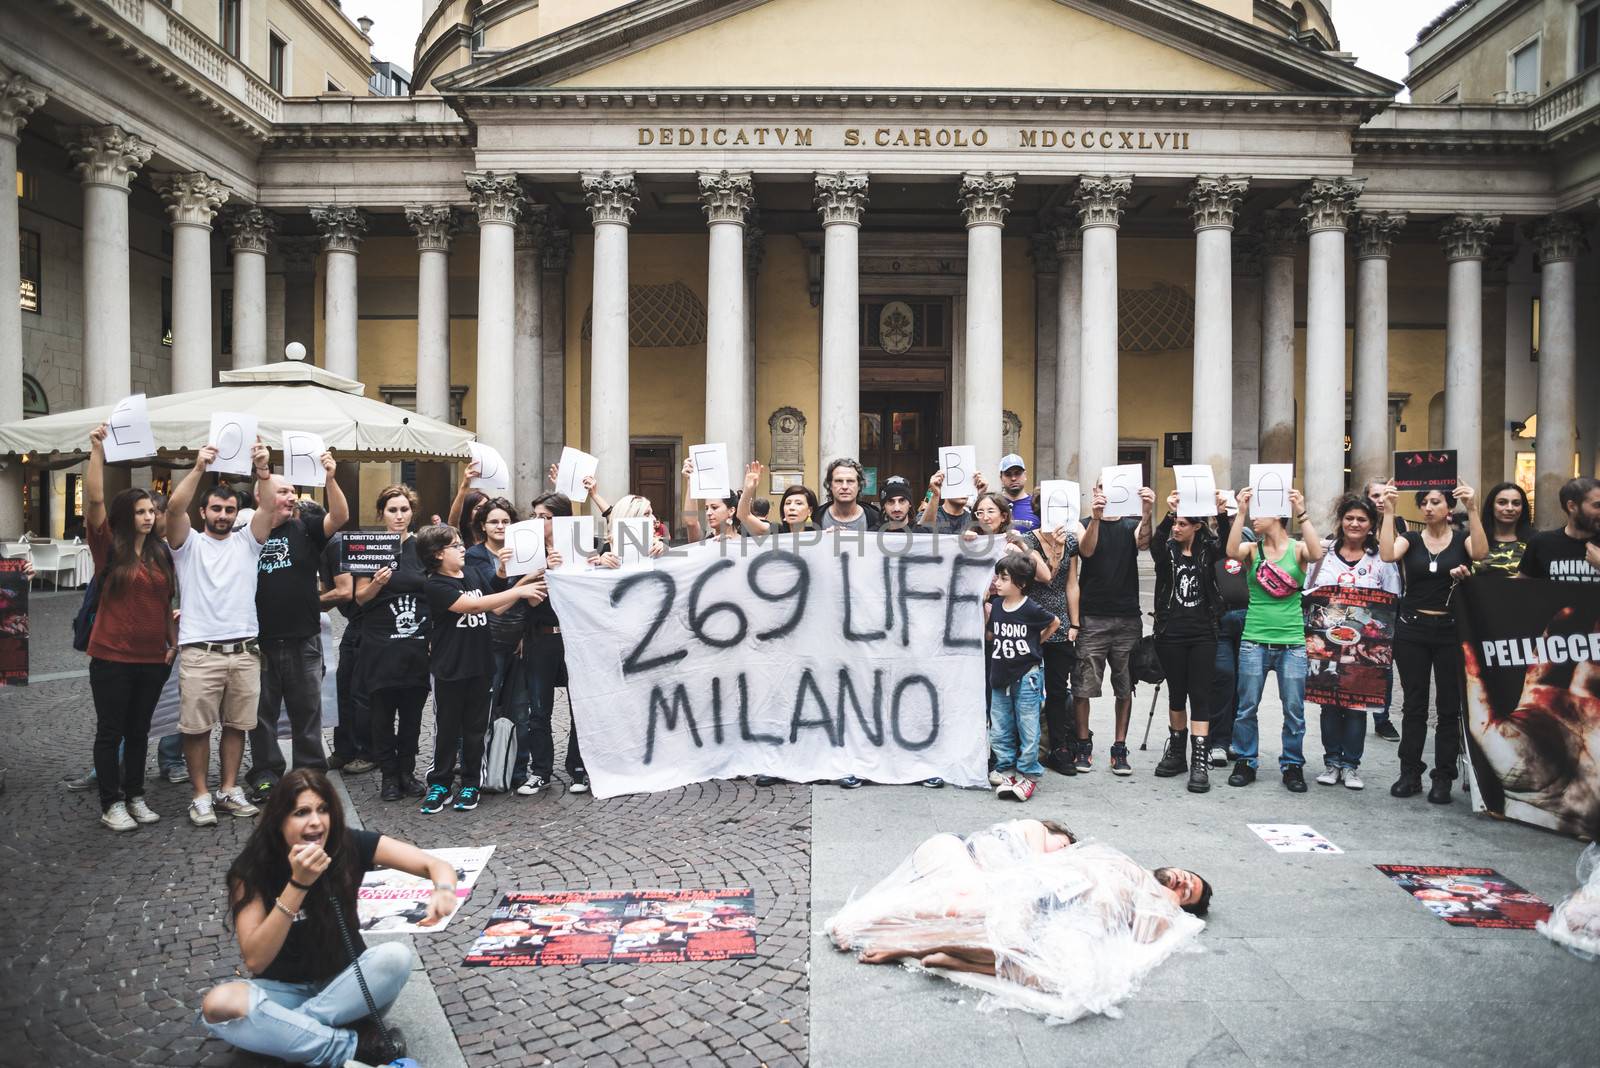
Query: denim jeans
x,y
169,754
1014,724
1344,736
291,677
1289,661
308,1023
544,664
1225,680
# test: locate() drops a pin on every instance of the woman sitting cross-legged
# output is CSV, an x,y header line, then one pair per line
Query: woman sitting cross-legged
x,y
292,895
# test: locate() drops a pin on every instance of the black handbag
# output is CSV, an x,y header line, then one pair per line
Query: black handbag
x,y
1144,665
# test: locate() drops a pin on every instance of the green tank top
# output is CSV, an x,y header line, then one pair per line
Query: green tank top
x,y
1275,620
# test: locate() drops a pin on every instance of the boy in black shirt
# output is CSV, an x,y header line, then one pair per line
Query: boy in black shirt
x,y
1017,627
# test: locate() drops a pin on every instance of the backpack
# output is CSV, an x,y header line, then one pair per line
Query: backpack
x,y
499,756
83,622
1144,665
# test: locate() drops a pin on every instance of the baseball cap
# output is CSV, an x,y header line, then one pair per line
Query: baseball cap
x,y
895,486
1010,460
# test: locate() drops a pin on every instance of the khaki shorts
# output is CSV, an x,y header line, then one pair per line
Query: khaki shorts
x,y
217,688
1106,640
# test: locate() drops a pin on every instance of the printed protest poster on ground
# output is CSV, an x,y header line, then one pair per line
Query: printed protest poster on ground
x,y
1469,897
13,622
807,656
1349,646
1532,651
390,900
366,552
617,927
1293,838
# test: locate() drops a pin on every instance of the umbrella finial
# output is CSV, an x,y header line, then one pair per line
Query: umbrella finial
x,y
294,350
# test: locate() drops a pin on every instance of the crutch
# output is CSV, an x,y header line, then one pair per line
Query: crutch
x,y
1155,696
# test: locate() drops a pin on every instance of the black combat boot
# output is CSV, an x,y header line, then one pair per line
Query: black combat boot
x,y
1175,761
1199,765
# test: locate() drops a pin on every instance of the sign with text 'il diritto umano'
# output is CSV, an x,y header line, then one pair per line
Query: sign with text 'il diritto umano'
x,y
1086,137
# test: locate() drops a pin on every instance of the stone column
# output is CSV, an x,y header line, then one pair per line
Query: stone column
x,y
342,230
985,201
1069,351
1465,239
250,233
299,255
434,225
1370,456
1213,202
841,197
612,197
1280,236
755,249
527,355
19,98
107,159
1099,199
1246,351
1560,241
726,198
192,201
554,255
497,199
1046,335
1327,205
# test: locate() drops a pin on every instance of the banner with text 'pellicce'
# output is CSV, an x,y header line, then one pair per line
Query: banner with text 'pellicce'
x,y
805,656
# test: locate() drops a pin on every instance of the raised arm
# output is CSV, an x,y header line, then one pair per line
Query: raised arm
x,y
747,521
1477,538
1391,546
183,496
691,517
94,479
460,500
1147,504
266,516
1236,547
1310,544
338,507
930,504
1091,533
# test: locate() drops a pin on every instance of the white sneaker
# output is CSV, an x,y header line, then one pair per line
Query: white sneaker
x,y
234,802
200,812
116,817
532,786
141,811
177,775
1329,777
1352,780
995,778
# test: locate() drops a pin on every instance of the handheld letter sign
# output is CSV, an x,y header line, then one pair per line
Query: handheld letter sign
x,y
234,435
302,458
1060,503
1269,489
575,466
1121,484
710,479
634,537
1434,469
493,474
1197,490
128,433
958,462
526,542
573,537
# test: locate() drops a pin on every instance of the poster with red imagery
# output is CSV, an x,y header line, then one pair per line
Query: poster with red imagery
x,y
1349,646
617,927
1469,897
13,623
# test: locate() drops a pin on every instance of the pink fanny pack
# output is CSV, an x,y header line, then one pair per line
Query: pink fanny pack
x,y
1274,579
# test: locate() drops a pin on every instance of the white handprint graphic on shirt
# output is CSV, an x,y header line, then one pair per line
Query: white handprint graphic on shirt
x,y
405,616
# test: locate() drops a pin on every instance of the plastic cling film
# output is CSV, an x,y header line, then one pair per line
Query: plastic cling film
x,y
1575,921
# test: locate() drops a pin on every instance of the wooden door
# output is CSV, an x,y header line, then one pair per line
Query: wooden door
x,y
900,434
652,473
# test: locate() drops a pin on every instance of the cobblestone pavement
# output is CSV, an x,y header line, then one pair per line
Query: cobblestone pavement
x,y
110,939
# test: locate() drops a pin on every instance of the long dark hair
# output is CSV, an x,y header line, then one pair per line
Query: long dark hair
x,y
1354,502
261,870
1524,523
125,562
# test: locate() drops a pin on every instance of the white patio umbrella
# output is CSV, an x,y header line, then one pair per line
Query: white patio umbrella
x,y
282,396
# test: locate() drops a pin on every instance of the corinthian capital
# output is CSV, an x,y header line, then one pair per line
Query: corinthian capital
x,y
1558,237
109,155
1328,203
985,199
1214,200
841,197
250,229
1099,199
1375,232
1068,237
1467,236
342,228
726,196
19,98
192,199
496,198
611,196
531,226
434,225
1280,234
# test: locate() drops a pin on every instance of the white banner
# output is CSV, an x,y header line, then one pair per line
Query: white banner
x,y
806,656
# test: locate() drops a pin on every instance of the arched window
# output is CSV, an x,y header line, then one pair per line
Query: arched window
x,y
34,401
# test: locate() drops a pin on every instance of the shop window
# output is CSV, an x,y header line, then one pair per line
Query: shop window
x,y
31,286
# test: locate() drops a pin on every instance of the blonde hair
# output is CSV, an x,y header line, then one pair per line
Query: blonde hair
x,y
628,506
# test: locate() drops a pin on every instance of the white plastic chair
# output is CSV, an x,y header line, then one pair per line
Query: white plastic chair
x,y
47,558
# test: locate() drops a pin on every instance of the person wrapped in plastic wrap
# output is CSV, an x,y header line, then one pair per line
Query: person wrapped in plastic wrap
x,y
1575,921
1028,914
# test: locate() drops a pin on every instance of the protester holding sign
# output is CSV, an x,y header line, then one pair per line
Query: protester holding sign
x,y
1187,604
1056,590
1508,520
951,514
1374,491
844,507
720,511
1350,560
1274,634
1570,553
393,669
130,650
545,667
1433,560
464,506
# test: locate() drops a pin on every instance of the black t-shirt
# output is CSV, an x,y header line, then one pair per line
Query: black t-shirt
x,y
945,523
330,567
1427,574
295,963
1551,554
1232,584
394,627
1108,581
1014,645
288,586
461,647
1188,614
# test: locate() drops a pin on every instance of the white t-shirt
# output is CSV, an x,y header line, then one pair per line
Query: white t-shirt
x,y
217,586
1368,573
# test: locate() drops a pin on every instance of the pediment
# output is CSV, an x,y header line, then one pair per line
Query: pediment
x,y
1169,46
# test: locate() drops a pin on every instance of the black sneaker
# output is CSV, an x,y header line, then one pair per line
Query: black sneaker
x,y
580,783
1385,730
933,783
1119,759
1294,780
1243,774
438,797
1062,761
1084,762
850,782
467,799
